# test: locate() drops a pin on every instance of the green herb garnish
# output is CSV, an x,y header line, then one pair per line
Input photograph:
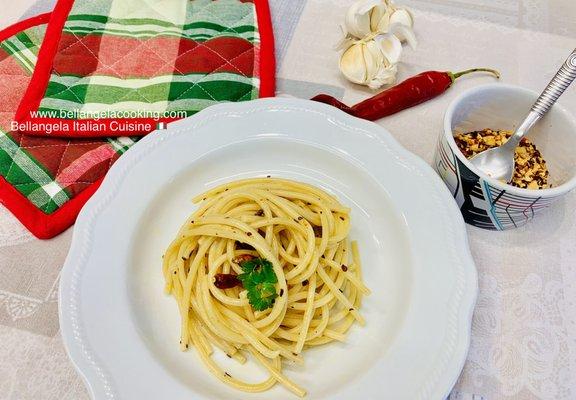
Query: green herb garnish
x,y
260,281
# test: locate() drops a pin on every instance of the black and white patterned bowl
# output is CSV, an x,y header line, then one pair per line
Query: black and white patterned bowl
x,y
488,203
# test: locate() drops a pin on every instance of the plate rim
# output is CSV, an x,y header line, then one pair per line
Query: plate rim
x,y
86,361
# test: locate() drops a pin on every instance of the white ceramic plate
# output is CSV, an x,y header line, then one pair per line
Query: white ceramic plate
x,y
122,332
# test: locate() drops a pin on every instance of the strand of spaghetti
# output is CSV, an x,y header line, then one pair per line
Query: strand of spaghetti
x,y
351,277
187,290
228,379
250,329
230,351
307,315
279,376
201,338
215,322
265,183
212,269
340,296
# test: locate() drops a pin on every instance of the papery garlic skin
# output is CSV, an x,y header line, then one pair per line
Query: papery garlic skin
x,y
367,17
380,16
404,18
358,22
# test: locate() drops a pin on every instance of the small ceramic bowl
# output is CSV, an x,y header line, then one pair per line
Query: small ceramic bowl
x,y
488,203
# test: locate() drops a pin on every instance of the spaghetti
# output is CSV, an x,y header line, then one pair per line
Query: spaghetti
x,y
264,267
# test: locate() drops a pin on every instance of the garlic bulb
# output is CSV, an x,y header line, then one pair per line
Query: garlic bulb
x,y
372,62
373,34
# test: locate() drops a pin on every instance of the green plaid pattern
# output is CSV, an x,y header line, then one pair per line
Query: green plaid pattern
x,y
122,144
28,177
17,166
83,24
164,83
23,48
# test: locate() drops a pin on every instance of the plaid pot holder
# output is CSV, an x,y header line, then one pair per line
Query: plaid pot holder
x,y
45,180
107,62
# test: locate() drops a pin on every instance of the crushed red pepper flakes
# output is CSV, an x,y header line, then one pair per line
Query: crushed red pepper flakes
x,y
530,170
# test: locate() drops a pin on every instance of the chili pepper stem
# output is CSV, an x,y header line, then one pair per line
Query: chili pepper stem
x,y
455,75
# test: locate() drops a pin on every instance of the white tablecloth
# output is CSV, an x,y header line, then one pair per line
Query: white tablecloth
x,y
524,330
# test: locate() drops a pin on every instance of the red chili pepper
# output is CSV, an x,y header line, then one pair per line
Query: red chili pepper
x,y
412,91
226,281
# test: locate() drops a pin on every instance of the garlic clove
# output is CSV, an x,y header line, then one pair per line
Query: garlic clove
x,y
380,18
404,34
357,20
386,76
352,64
373,59
403,17
390,46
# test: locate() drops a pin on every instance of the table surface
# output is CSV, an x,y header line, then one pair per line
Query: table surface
x,y
524,328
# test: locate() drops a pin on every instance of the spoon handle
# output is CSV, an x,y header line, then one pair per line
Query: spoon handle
x,y
557,86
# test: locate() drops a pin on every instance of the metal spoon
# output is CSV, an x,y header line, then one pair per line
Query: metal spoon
x,y
498,162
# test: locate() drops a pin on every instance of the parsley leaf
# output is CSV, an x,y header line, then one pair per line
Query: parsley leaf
x,y
260,281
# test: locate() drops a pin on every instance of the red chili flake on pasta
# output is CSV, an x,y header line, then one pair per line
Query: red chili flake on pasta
x,y
226,281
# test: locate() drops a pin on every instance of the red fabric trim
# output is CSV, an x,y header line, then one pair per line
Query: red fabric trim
x,y
23,25
41,75
41,225
267,58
